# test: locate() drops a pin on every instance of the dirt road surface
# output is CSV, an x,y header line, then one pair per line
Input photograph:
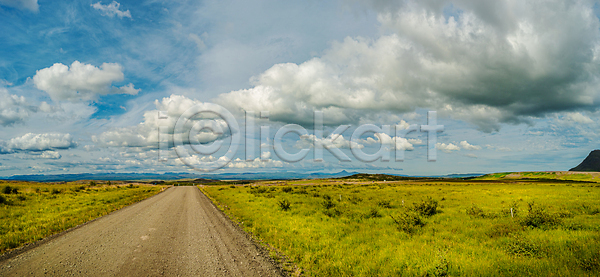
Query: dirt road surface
x,y
175,233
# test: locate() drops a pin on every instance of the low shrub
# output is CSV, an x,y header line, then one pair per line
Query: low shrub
x,y
287,189
427,207
259,190
78,189
333,212
521,246
354,199
408,222
300,191
2,199
475,211
538,217
384,204
7,190
327,203
284,205
373,213
55,191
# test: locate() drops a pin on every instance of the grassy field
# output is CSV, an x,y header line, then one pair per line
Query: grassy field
x,y
548,175
32,211
423,228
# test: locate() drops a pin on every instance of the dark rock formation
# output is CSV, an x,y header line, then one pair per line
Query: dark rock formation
x,y
591,163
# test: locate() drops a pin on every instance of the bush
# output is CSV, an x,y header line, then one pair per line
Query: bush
x,y
284,205
287,189
354,199
92,184
55,191
2,199
327,203
538,217
300,191
332,212
21,198
258,190
427,207
78,189
373,213
384,204
7,190
408,222
521,246
475,211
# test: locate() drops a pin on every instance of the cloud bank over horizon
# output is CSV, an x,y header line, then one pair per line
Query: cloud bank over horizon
x,y
485,64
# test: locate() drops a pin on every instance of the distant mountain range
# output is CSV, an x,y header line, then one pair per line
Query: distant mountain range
x,y
591,162
176,176
183,175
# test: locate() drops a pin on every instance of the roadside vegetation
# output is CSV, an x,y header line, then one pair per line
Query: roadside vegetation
x,y
361,227
32,211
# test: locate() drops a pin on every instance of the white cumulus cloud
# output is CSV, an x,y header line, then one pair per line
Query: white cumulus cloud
x,y
37,142
307,141
578,118
447,148
485,63
13,108
465,145
256,163
111,10
53,155
168,112
81,82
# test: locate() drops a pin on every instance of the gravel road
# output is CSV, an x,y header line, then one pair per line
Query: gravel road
x,y
175,233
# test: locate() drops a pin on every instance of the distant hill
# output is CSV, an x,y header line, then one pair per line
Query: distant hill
x,y
207,178
591,162
199,178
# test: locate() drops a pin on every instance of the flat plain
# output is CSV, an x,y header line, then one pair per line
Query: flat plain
x,y
510,224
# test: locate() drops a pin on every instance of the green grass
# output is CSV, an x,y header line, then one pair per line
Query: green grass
x,y
550,175
374,229
38,210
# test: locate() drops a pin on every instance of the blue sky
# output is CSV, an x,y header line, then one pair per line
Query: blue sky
x,y
514,83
